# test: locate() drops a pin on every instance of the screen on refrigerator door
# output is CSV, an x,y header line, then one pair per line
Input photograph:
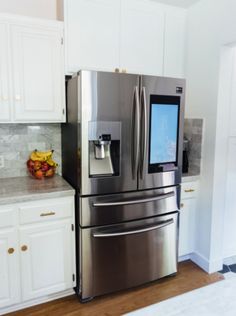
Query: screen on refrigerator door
x,y
164,128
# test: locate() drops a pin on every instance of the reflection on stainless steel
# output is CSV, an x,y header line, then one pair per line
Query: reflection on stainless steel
x,y
127,214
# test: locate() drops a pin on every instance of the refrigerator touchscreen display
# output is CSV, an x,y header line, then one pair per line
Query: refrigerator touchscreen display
x,y
164,125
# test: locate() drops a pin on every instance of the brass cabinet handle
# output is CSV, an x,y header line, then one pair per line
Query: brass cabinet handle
x,y
47,214
117,70
11,250
24,248
189,190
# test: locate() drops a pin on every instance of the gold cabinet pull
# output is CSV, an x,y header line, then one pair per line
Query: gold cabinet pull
x,y
24,248
11,250
181,205
117,70
47,214
189,190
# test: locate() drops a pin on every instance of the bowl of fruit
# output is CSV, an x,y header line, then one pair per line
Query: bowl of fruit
x,y
41,165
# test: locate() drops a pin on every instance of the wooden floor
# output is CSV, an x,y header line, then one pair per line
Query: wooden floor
x,y
188,278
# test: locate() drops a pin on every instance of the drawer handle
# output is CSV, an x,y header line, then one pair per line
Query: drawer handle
x,y
24,248
189,190
135,231
47,214
11,251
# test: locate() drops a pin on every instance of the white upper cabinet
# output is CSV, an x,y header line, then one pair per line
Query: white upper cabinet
x,y
32,70
4,74
175,41
37,74
92,34
134,36
142,37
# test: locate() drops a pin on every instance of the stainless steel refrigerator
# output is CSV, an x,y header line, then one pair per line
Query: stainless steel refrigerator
x,y
122,152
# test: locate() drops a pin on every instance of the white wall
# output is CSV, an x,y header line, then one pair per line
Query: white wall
x,y
211,25
36,8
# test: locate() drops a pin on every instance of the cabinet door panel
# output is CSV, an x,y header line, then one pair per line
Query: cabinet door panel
x,y
46,260
175,40
142,37
4,75
9,268
92,34
187,227
38,94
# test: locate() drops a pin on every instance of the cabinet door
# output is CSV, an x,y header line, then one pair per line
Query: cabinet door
x,y
46,258
92,34
9,268
187,227
142,37
4,75
175,43
38,74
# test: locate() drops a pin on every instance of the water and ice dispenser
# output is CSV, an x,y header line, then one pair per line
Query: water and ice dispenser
x,y
104,149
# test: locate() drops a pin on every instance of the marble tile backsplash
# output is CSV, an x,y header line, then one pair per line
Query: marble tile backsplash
x,y
193,131
17,141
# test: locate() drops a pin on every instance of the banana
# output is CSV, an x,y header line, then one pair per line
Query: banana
x,y
41,155
52,163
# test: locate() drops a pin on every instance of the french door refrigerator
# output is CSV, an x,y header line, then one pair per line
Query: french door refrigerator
x,y
122,151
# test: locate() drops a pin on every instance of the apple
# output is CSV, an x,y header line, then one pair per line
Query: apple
x,y
37,165
45,166
38,174
30,164
49,173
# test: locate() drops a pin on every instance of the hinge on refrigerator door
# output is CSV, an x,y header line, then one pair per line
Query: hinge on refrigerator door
x,y
72,227
73,277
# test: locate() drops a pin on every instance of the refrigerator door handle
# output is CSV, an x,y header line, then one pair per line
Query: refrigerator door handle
x,y
146,200
135,131
134,231
144,130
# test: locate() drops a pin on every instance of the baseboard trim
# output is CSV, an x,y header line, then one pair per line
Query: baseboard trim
x,y
184,258
41,300
205,264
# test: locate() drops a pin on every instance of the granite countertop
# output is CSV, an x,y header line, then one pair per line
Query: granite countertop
x,y
23,189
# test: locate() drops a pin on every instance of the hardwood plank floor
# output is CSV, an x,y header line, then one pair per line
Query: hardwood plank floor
x,y
188,278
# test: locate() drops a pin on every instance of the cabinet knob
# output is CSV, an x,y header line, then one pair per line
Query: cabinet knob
x,y
181,205
117,70
123,71
11,250
24,248
17,97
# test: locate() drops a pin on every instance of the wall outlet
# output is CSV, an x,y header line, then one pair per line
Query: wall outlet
x,y
1,162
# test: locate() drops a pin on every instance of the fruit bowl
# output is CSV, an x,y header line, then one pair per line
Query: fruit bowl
x,y
41,165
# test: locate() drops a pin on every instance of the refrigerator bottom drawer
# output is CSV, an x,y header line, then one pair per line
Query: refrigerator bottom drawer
x,y
125,255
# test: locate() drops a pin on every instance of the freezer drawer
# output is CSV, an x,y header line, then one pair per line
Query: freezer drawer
x,y
117,208
126,255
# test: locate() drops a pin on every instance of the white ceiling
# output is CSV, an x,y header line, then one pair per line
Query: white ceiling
x,y
179,3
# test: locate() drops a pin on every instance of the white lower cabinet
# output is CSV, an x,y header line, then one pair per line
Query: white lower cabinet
x,y
187,221
37,250
9,268
187,227
46,258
